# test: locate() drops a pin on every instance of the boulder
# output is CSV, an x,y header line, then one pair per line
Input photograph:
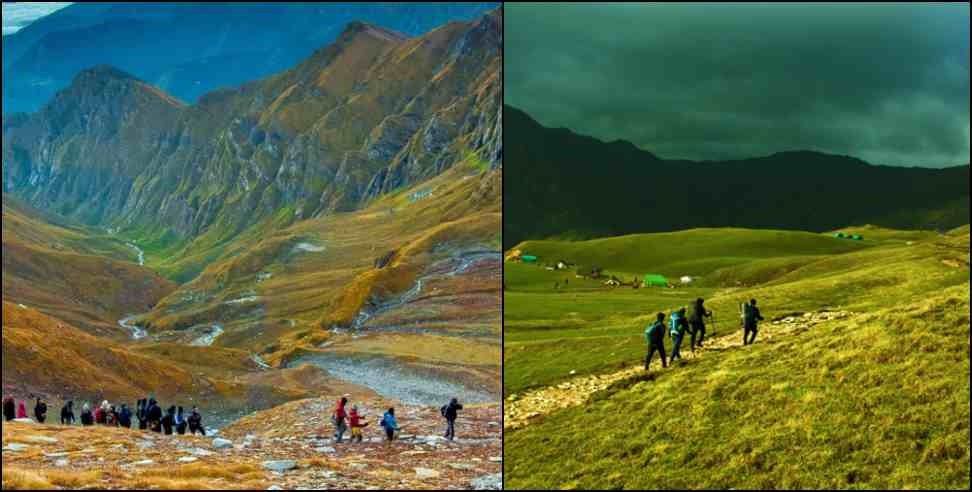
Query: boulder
x,y
488,482
41,439
220,443
15,446
188,459
426,473
280,466
143,463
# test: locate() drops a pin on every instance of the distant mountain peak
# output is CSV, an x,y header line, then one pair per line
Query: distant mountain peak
x,y
103,72
357,28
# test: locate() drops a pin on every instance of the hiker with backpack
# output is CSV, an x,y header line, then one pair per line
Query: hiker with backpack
x,y
339,419
180,422
9,409
67,413
655,338
168,422
125,417
677,326
87,418
451,413
40,411
195,422
751,319
390,425
141,413
697,322
154,416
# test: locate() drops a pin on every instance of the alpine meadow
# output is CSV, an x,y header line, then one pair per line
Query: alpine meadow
x,y
736,246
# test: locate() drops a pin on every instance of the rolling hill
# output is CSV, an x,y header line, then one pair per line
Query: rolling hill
x,y
843,388
573,186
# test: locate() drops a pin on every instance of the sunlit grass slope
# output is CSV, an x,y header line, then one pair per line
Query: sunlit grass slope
x,y
877,401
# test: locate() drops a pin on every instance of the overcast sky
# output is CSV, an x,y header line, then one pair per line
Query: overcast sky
x,y
886,83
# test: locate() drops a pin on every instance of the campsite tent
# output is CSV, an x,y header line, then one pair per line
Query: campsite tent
x,y
839,235
589,271
528,259
654,279
857,237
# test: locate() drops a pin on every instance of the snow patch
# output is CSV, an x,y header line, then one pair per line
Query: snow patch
x,y
208,339
308,247
243,300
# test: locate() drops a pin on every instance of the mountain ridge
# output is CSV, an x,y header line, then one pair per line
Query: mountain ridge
x,y
190,49
418,105
632,190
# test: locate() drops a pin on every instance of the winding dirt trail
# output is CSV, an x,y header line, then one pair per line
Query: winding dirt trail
x,y
520,410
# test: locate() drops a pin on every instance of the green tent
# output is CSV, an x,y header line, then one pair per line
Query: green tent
x,y
654,279
528,259
857,237
839,235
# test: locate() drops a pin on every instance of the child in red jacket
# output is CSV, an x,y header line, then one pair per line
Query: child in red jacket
x,y
357,424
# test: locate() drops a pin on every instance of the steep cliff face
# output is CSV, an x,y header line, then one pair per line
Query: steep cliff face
x,y
371,113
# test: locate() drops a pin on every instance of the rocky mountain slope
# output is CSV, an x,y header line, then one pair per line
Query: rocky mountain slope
x,y
615,188
368,114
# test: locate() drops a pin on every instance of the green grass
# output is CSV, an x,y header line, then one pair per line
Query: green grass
x,y
881,402
692,252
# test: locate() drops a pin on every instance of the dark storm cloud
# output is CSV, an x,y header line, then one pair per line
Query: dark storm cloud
x,y
886,83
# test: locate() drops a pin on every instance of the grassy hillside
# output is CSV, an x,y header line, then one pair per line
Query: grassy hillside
x,y
86,278
874,401
284,289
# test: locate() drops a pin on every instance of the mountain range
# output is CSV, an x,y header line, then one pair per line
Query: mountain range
x,y
342,213
189,49
574,186
373,112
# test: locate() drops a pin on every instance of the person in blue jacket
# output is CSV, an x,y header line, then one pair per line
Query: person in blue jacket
x,y
390,425
655,338
677,326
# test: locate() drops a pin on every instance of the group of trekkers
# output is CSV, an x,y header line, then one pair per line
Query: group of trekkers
x,y
148,413
344,419
679,325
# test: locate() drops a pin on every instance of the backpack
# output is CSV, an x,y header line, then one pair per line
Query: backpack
x,y
673,323
749,314
443,410
384,421
653,329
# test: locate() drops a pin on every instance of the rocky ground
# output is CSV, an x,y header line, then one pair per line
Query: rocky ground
x,y
288,447
519,410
